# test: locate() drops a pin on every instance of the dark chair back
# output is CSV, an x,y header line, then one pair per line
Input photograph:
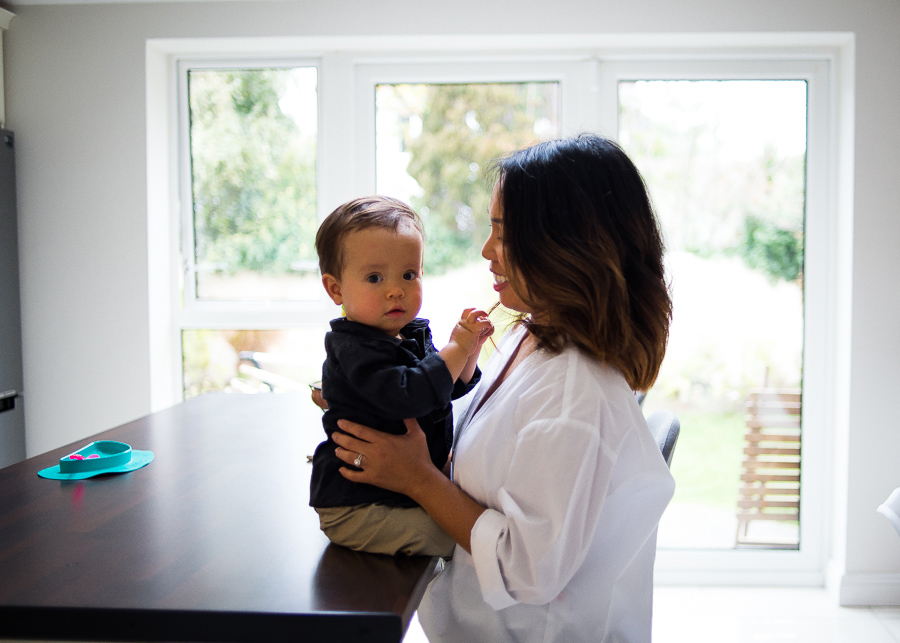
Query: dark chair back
x,y
665,427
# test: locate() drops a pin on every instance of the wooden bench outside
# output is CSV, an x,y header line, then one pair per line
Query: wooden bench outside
x,y
770,473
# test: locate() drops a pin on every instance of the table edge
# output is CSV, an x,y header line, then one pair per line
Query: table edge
x,y
152,625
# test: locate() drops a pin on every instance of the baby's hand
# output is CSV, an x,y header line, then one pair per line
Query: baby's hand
x,y
478,324
469,333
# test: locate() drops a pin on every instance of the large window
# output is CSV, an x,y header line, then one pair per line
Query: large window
x,y
726,163
736,154
253,165
736,158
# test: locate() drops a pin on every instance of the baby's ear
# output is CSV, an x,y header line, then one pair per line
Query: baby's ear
x,y
333,288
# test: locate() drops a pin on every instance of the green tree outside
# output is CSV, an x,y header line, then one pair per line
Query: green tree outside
x,y
253,171
464,128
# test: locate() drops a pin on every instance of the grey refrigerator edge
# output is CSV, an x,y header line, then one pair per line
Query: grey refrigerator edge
x,y
12,413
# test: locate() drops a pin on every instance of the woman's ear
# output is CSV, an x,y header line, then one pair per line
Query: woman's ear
x,y
333,288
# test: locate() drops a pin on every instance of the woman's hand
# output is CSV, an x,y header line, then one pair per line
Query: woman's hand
x,y
401,463
395,462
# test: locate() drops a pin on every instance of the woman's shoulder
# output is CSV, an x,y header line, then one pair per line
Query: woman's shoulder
x,y
576,387
572,367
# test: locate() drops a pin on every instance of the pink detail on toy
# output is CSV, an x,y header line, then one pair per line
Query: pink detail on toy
x,y
75,456
92,456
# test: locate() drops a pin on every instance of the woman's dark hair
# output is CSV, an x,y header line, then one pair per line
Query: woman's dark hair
x,y
360,214
584,251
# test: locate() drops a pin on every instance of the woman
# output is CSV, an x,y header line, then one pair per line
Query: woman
x,y
557,484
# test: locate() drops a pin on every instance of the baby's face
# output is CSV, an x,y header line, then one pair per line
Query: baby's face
x,y
381,280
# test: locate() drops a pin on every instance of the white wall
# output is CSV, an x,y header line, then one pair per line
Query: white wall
x,y
75,97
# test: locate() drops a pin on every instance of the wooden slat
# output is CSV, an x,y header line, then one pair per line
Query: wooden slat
x,y
774,399
750,464
757,436
784,451
785,422
753,516
756,477
766,504
770,412
776,394
792,490
769,491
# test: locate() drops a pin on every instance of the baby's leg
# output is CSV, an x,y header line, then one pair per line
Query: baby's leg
x,y
379,529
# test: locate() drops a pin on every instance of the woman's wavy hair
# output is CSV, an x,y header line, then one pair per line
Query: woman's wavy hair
x,y
584,251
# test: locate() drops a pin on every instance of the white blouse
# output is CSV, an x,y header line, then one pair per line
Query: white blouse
x,y
574,486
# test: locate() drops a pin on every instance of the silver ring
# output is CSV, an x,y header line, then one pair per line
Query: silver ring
x,y
358,462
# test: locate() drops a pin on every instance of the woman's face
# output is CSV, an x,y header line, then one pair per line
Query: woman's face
x,y
493,252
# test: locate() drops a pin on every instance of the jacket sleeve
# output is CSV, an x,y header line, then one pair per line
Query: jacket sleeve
x,y
391,390
461,388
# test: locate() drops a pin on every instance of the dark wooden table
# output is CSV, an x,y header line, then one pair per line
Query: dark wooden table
x,y
212,541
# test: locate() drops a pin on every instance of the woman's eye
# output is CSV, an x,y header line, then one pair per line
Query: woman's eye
x,y
373,279
411,275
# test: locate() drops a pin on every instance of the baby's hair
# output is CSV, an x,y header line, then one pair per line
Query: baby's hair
x,y
360,214
584,250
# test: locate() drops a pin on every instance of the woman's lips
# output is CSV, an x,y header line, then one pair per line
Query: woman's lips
x,y
499,282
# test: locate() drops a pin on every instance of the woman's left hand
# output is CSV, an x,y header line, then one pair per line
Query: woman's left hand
x,y
395,462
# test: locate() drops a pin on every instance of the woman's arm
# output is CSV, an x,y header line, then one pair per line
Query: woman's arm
x,y
401,463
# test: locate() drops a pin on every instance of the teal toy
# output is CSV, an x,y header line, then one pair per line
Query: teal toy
x,y
98,458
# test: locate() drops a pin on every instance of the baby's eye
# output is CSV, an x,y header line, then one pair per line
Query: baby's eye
x,y
373,279
411,275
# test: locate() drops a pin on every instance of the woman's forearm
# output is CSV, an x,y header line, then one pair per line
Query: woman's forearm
x,y
449,506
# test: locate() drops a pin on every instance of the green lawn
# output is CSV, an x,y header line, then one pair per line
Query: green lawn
x,y
707,460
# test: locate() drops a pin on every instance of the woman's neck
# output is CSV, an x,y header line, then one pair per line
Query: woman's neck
x,y
526,347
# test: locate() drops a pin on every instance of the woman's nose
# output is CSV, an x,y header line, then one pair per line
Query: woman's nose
x,y
487,251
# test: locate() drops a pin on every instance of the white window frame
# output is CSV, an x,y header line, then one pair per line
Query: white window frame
x,y
255,314
349,68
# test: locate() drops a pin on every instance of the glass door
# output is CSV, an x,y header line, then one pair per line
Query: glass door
x,y
726,164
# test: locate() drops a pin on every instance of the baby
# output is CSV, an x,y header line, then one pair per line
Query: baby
x,y
382,367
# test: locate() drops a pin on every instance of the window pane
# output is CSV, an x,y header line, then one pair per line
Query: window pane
x,y
725,162
434,144
253,144
252,361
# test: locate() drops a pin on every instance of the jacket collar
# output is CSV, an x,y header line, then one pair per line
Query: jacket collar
x,y
412,331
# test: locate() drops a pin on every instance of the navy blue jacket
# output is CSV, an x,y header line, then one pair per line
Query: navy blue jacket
x,y
377,380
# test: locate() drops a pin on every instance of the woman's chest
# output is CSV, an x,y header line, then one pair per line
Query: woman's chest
x,y
486,452
482,457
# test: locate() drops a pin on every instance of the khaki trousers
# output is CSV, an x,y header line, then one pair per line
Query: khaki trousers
x,y
379,529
